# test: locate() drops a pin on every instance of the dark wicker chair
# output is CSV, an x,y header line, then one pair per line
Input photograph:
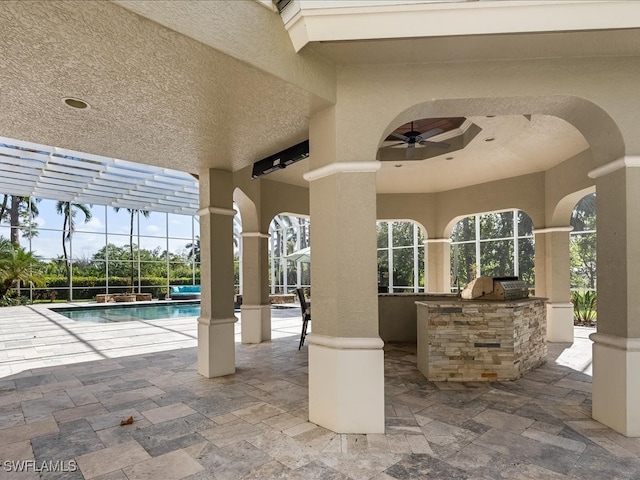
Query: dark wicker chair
x,y
306,315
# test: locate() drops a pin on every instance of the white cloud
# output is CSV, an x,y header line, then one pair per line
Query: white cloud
x,y
93,225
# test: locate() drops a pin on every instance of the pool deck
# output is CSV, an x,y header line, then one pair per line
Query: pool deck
x,y
34,337
68,405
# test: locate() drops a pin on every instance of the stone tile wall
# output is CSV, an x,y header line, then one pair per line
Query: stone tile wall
x,y
481,341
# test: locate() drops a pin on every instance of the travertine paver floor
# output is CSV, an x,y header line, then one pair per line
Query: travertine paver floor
x,y
254,424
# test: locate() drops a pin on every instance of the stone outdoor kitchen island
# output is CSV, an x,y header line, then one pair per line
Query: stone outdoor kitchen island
x,y
480,340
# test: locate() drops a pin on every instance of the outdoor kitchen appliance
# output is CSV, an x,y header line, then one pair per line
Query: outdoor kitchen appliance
x,y
496,288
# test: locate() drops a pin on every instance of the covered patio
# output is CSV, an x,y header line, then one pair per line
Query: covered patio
x,y
254,423
537,116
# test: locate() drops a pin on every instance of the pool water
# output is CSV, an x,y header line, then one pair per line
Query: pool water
x,y
129,313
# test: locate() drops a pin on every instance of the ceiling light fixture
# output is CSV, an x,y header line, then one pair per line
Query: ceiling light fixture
x,y
76,103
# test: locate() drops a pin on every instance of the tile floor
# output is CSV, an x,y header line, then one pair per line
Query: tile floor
x,y
65,387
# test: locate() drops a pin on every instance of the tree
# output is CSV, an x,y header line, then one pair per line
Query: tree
x,y
20,212
193,249
402,251
70,210
16,266
582,247
463,255
497,247
132,213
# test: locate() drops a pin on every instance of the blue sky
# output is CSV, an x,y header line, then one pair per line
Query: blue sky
x,y
90,237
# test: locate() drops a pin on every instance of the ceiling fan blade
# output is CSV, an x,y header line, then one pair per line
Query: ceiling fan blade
x,y
394,145
399,137
435,144
430,133
410,150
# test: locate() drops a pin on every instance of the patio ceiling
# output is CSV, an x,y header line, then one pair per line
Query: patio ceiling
x,y
29,169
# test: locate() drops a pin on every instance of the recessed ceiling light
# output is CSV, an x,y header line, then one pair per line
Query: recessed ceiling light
x,y
76,103
449,158
489,139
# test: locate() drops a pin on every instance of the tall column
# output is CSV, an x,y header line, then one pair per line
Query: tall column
x,y
552,264
438,263
256,307
346,360
216,346
616,345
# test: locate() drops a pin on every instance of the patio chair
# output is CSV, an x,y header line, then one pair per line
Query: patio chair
x,y
306,314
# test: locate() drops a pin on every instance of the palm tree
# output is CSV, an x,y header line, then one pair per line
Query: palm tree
x,y
19,208
16,266
194,249
69,210
132,212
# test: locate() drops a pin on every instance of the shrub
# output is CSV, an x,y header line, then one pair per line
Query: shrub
x,y
584,306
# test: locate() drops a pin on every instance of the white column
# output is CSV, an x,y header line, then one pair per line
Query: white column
x,y
346,360
552,268
216,344
438,261
256,307
616,346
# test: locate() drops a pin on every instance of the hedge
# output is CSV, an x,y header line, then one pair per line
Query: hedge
x,y
58,287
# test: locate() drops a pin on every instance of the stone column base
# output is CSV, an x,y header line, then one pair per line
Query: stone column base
x,y
616,390
560,322
256,323
216,346
346,383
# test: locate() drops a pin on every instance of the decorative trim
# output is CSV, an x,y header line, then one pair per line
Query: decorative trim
x,y
437,240
552,229
613,341
342,167
255,235
346,343
560,305
216,321
628,161
230,212
254,307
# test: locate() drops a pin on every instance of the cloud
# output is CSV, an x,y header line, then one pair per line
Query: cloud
x,y
93,225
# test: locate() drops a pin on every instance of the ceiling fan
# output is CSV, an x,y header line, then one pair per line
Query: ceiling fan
x,y
413,137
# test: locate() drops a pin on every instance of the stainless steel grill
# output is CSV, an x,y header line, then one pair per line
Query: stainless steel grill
x,y
496,288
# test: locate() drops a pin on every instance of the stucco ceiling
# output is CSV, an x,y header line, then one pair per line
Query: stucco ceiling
x,y
156,96
160,97
520,146
484,47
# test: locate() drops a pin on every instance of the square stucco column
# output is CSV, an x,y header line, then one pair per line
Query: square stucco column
x,y
438,263
216,345
256,307
552,263
346,360
616,345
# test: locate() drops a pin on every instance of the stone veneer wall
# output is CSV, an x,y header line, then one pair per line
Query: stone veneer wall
x,y
481,341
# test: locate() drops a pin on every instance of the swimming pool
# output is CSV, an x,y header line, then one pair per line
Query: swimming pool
x,y
129,313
